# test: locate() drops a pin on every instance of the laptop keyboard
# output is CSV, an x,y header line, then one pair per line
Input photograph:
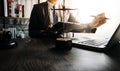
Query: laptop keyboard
x,y
93,42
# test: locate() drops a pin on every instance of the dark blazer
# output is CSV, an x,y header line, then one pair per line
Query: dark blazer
x,y
39,19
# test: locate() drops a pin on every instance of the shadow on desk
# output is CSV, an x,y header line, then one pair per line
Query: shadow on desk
x,y
114,52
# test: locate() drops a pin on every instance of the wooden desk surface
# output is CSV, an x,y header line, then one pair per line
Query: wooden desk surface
x,y
37,55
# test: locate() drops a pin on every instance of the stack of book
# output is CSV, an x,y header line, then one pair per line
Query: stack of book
x,y
13,9
16,8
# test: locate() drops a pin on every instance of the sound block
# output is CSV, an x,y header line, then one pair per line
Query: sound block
x,y
63,43
8,44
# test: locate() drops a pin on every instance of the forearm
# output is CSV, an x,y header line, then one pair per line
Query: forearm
x,y
88,29
79,27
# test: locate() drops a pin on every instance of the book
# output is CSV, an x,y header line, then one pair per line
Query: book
x,y
13,9
9,2
20,10
5,8
1,8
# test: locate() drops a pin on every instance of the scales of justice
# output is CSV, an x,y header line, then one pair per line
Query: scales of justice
x,y
64,43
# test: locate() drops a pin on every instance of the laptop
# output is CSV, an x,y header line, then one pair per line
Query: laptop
x,y
95,42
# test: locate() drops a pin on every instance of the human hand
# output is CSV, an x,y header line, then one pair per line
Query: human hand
x,y
99,20
50,25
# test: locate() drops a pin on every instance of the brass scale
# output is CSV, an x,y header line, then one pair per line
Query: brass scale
x,y
64,43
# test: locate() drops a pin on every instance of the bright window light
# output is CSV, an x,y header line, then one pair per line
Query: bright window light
x,y
87,8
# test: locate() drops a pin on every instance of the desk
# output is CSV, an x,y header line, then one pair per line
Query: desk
x,y
37,55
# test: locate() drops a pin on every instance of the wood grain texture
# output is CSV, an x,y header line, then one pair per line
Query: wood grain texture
x,y
38,55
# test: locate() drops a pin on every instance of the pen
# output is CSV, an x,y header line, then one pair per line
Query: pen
x,y
104,18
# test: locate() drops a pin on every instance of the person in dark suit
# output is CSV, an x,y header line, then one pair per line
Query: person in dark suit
x,y
42,24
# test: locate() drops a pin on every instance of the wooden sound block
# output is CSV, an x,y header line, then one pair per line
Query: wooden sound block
x,y
63,43
8,44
